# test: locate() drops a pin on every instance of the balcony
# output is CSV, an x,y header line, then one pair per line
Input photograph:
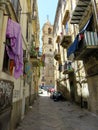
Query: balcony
x,y
66,41
88,46
33,51
80,11
35,62
66,17
57,56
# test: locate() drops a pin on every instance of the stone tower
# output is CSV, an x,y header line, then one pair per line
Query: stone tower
x,y
48,49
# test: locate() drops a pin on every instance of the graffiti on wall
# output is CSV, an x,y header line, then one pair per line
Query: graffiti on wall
x,y
6,92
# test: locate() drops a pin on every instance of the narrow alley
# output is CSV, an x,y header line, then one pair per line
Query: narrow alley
x,y
48,49
46,114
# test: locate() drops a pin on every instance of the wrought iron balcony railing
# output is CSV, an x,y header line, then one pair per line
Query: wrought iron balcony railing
x,y
87,45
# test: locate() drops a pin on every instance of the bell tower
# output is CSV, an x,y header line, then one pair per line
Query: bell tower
x,y
48,51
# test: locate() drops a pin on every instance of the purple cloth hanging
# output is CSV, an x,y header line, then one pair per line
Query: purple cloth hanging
x,y
15,50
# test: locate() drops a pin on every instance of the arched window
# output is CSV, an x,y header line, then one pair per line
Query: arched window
x,y
49,30
49,41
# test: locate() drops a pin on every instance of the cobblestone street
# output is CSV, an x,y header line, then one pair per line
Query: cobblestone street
x,y
46,114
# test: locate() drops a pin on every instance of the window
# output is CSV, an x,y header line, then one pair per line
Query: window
x,y
6,58
49,41
49,30
17,8
64,3
66,28
43,78
8,64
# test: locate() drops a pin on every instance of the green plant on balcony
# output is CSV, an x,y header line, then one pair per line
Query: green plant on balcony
x,y
33,52
42,63
35,63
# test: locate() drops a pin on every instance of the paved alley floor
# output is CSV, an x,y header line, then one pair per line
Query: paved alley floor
x,y
46,114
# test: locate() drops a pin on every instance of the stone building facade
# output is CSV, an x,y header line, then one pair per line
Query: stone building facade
x,y
48,52
17,92
88,44
77,73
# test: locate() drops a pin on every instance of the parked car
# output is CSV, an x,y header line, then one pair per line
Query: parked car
x,y
56,96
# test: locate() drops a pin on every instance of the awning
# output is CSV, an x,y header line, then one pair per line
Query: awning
x,y
79,11
73,46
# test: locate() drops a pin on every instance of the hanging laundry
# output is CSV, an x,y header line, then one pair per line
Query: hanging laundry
x,y
15,51
81,36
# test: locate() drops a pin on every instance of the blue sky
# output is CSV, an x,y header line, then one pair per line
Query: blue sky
x,y
46,7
